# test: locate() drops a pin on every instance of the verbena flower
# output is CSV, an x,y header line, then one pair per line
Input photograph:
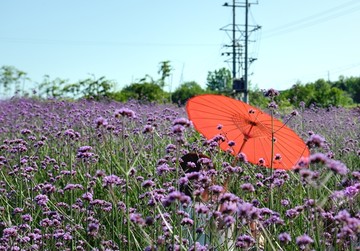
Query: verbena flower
x,y
315,140
284,238
182,121
124,112
303,241
271,93
41,199
337,167
244,241
187,221
247,187
100,121
112,180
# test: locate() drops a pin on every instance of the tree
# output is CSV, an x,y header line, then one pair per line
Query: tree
x,y
351,85
321,93
300,93
257,98
10,76
51,88
96,88
219,80
143,91
164,70
186,91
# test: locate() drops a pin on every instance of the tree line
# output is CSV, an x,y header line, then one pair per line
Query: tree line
x,y
343,92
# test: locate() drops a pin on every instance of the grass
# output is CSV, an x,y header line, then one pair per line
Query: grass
x,y
105,176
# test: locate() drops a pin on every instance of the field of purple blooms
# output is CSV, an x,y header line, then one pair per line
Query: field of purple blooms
x,y
89,175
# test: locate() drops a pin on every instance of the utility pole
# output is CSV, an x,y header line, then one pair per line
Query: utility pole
x,y
246,92
234,41
240,39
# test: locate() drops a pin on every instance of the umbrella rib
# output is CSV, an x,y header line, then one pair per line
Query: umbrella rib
x,y
284,148
211,104
267,160
213,108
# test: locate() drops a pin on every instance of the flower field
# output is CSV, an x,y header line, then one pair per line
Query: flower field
x,y
89,175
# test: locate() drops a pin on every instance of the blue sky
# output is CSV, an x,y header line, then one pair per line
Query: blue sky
x,y
125,40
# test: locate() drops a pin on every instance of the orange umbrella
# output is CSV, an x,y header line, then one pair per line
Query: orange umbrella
x,y
264,140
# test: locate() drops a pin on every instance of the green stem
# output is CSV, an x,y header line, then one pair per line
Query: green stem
x,y
128,211
272,157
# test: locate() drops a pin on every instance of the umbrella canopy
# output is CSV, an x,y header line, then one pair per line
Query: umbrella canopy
x,y
264,140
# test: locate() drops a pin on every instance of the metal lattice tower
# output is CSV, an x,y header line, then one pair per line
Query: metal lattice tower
x,y
237,51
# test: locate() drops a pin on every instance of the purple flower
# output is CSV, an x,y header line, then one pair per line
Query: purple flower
x,y
228,208
247,187
93,228
73,186
318,158
72,134
41,199
216,189
351,191
26,217
356,175
170,148
148,129
245,209
182,121
294,113
183,181
198,247
207,162
187,221
315,140
242,157
244,241
163,168
337,167
303,240
111,180
101,122
285,202
87,196
124,112
271,93
201,209
261,162
185,200
306,174
173,196
229,220
148,183
342,216
191,165
83,149
10,232
18,210
25,131
291,213
177,129
272,105
284,237
137,219
277,157
231,143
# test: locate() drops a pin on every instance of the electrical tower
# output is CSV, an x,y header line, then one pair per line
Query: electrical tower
x,y
237,51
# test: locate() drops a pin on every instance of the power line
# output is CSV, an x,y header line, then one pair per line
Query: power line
x,y
314,19
100,43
